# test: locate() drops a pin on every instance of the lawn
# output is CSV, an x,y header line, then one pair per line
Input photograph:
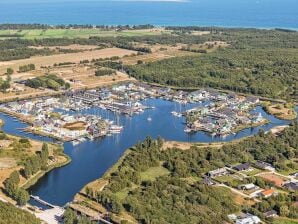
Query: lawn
x,y
153,172
225,178
252,172
150,174
192,179
231,180
73,33
121,195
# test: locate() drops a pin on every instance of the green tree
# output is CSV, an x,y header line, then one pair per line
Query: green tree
x,y
67,85
22,197
44,155
284,211
69,216
11,184
9,71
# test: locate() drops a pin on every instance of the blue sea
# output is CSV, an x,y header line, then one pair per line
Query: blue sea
x,y
227,13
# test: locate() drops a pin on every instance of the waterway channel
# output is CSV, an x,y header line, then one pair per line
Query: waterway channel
x,y
91,159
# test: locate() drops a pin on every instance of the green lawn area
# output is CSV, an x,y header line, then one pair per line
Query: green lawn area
x,y
73,33
232,181
153,172
226,178
150,174
192,179
290,170
122,194
253,172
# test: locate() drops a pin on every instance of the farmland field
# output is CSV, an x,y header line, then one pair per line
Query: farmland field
x,y
59,58
77,33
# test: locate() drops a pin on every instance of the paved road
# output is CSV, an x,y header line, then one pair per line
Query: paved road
x,y
239,192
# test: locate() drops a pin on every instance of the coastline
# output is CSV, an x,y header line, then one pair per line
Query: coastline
x,y
33,179
38,175
280,113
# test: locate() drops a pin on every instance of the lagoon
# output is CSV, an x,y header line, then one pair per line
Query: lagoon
x,y
91,159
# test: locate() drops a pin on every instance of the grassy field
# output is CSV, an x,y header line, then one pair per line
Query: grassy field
x,y
252,172
282,111
50,60
153,172
73,33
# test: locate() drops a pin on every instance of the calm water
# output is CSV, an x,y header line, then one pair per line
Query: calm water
x,y
229,13
91,159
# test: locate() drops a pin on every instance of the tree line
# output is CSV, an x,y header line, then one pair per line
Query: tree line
x,y
37,162
27,68
104,71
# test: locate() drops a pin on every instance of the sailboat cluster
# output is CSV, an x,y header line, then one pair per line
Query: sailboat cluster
x,y
87,114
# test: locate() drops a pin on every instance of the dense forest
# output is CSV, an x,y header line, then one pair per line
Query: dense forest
x,y
168,198
13,215
177,195
50,81
256,61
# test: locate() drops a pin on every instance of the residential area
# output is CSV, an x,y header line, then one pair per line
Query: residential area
x,y
75,115
256,182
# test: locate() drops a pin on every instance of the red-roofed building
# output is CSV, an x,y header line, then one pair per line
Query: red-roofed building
x,y
268,193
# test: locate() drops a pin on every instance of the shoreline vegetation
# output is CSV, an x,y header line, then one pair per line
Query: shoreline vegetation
x,y
59,159
284,111
34,179
109,192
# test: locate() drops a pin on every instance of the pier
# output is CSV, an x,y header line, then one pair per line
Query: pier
x,y
53,215
39,200
92,214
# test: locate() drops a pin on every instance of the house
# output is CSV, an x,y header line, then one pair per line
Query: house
x,y
242,167
270,214
218,172
264,166
248,187
252,99
268,193
291,186
207,181
248,219
258,118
